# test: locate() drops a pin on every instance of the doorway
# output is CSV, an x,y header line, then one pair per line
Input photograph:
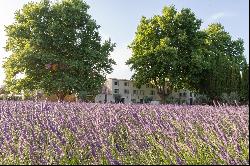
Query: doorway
x,y
191,101
122,100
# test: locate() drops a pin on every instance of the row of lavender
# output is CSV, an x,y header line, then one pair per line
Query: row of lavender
x,y
81,133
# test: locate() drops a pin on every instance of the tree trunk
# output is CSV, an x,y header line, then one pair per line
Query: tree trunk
x,y
60,96
162,97
161,94
164,94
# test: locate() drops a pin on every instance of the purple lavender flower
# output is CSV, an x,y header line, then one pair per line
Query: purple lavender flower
x,y
49,131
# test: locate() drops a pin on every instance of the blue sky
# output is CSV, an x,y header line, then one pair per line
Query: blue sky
x,y
119,19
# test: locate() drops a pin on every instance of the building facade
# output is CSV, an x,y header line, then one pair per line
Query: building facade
x,y
183,96
125,91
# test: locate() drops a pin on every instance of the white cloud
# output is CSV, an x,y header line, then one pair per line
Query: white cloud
x,y
217,16
221,15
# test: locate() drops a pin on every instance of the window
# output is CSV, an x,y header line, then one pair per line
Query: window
x,y
152,92
116,91
191,94
180,94
134,92
126,84
142,92
126,91
184,94
147,85
116,83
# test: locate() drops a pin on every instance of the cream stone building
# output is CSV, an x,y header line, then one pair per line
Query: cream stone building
x,y
128,93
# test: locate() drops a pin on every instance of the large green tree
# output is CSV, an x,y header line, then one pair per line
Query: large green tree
x,y
57,47
172,52
166,50
225,61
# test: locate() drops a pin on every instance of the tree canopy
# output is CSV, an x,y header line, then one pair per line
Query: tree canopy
x,y
171,51
225,60
57,47
165,50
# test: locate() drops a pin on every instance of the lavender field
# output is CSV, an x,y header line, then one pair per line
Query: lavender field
x,y
82,133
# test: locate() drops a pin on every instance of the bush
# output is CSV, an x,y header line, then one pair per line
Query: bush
x,y
230,98
117,98
13,97
202,99
82,95
3,96
147,99
171,100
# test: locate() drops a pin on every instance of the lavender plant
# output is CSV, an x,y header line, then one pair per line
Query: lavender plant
x,y
88,133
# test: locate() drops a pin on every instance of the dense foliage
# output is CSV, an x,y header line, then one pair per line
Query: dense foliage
x,y
244,90
166,49
171,51
224,63
81,133
57,48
